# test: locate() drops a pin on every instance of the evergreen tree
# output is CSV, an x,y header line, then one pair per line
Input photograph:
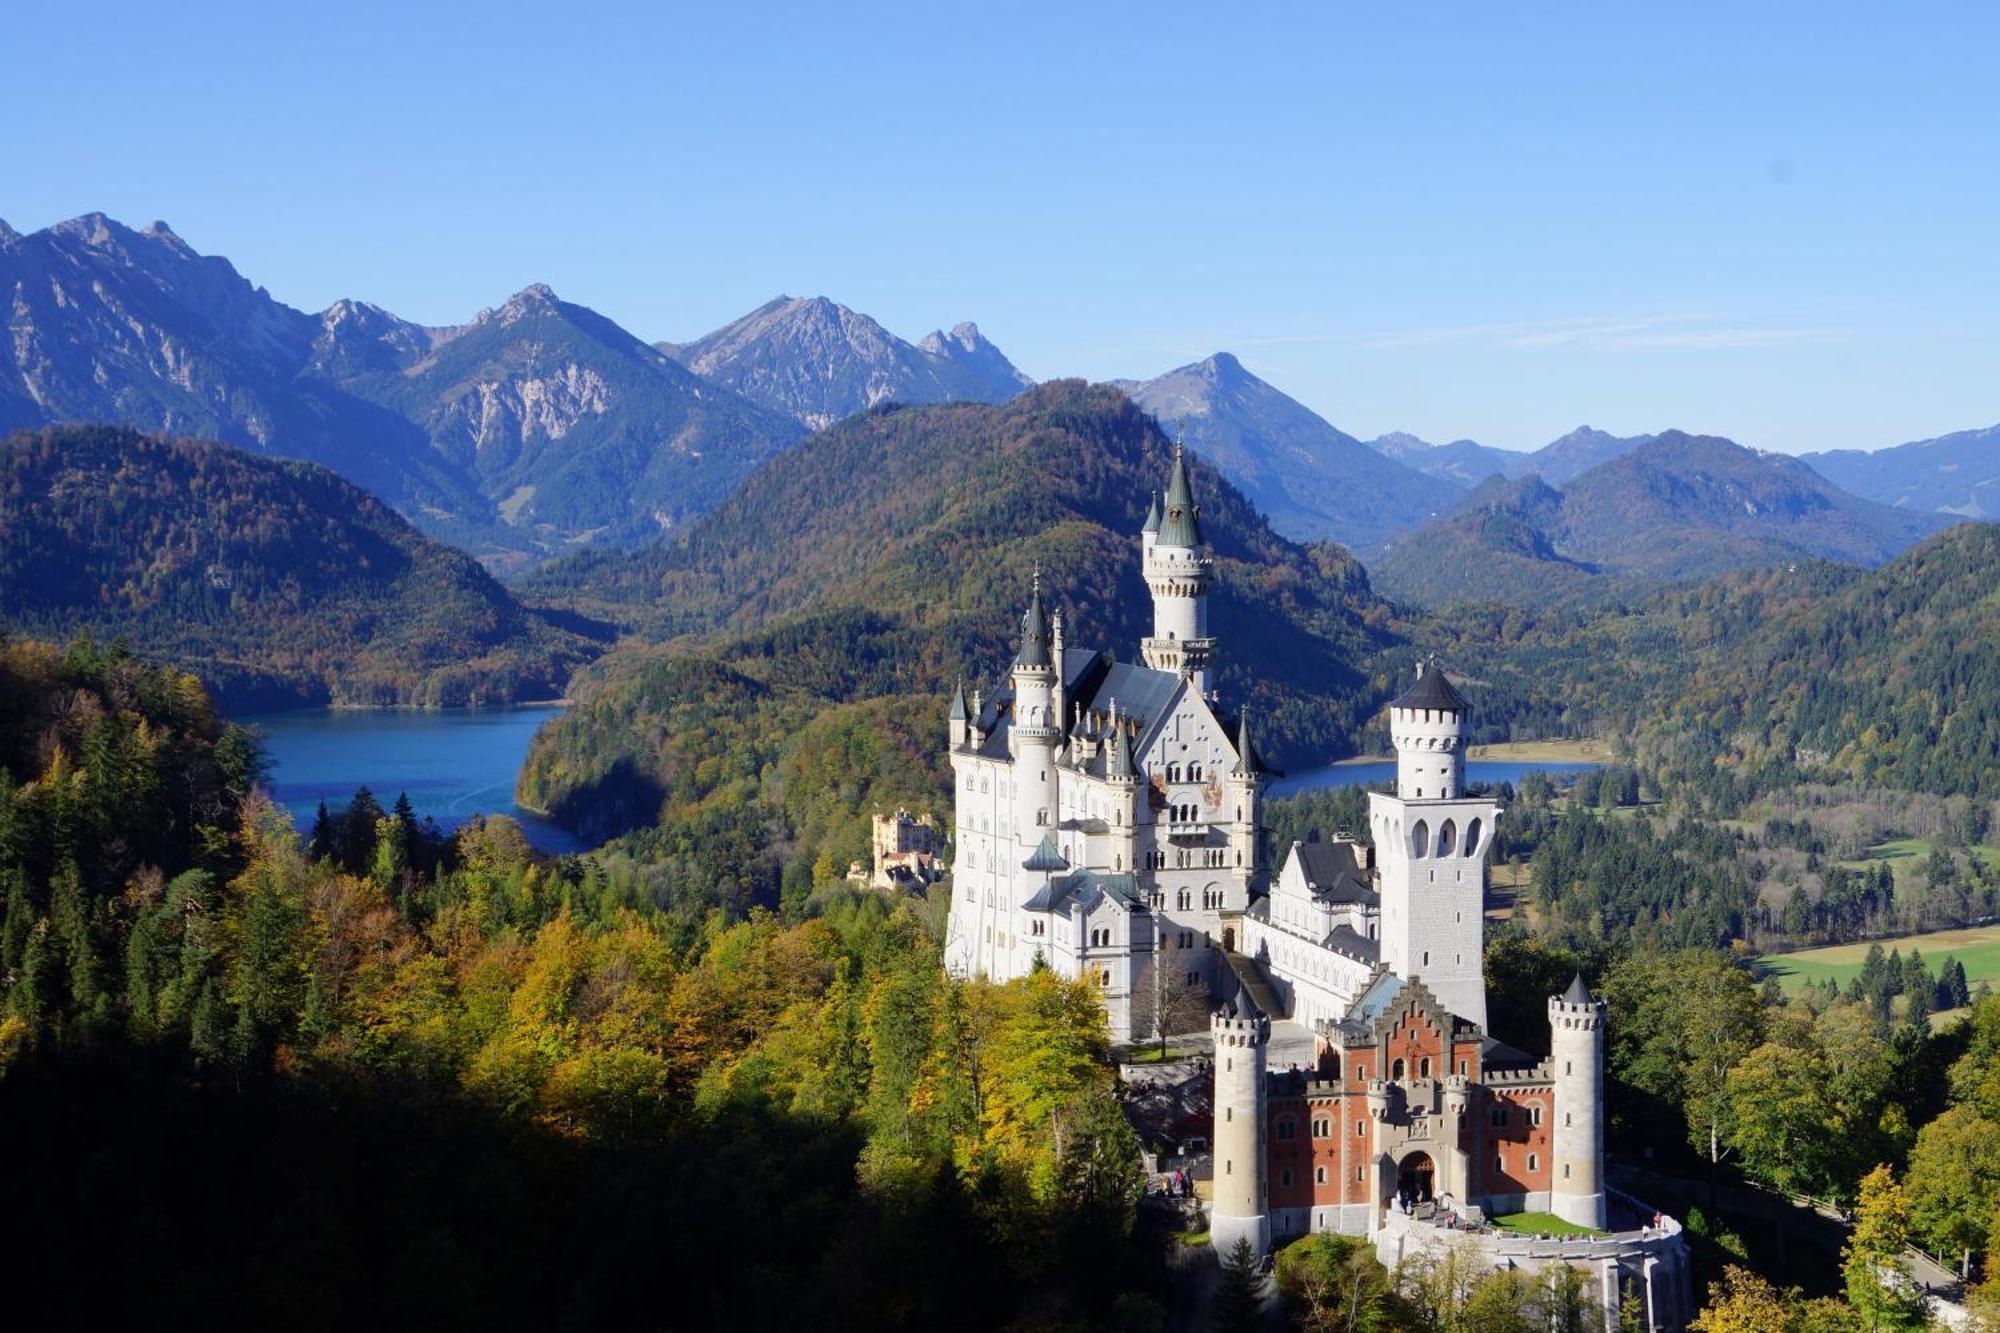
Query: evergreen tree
x,y
1238,1307
324,841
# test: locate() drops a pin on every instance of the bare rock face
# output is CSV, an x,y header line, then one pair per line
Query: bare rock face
x,y
580,429
818,362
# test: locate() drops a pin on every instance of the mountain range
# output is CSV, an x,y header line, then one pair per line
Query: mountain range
x,y
817,362
1469,463
1673,508
540,427
1312,481
1952,474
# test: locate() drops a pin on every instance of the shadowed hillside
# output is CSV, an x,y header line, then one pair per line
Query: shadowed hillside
x,y
276,582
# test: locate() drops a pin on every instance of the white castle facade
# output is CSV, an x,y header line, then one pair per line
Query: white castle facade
x,y
1108,827
1107,815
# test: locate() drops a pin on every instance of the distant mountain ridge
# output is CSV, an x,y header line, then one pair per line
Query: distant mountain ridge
x,y
818,362
1468,462
1951,474
532,427
276,581
1311,480
1676,508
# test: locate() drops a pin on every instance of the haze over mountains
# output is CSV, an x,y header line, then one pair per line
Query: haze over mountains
x,y
1675,508
1470,463
1952,474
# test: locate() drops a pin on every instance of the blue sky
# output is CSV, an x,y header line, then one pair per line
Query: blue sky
x,y
1772,221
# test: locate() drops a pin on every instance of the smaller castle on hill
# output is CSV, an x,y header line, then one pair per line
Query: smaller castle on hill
x,y
903,849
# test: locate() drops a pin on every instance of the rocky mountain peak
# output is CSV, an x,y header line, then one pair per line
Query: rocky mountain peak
x,y
7,233
1399,442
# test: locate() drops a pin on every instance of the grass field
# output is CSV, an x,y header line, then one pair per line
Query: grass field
x,y
1544,752
1977,948
1532,1224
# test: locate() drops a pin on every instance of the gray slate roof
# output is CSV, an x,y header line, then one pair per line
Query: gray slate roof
x,y
1334,871
1431,689
1090,888
1034,631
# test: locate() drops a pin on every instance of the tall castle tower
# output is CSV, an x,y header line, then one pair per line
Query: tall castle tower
x,y
1242,1038
1180,572
1576,1056
1037,729
1430,843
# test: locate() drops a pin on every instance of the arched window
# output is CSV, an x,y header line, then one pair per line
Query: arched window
x,y
1447,838
1396,1071
1424,1067
1420,838
1472,838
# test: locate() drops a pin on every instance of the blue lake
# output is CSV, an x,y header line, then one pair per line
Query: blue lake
x,y
1384,770
453,762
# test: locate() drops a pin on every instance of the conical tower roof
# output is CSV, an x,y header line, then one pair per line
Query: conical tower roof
x,y
1034,630
958,709
1248,765
1578,993
1152,512
1118,754
1045,858
1180,522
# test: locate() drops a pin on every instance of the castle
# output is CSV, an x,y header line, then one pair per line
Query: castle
x,y
1106,814
1108,827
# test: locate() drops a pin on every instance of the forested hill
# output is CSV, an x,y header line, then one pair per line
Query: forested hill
x,y
1807,672
1675,508
929,521
275,581
827,608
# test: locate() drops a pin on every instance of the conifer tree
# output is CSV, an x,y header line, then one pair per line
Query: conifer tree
x,y
324,842
1237,1307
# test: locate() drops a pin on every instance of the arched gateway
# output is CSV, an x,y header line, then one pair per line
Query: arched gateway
x,y
1416,1179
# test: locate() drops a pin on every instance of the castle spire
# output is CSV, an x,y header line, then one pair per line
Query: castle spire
x,y
1034,629
1152,512
1180,523
1248,765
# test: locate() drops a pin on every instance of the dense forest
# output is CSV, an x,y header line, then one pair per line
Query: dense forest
x,y
383,1076
1765,680
275,582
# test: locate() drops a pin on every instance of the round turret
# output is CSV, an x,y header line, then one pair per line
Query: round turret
x,y
1576,1057
1242,1034
1179,571
1428,724
1037,725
